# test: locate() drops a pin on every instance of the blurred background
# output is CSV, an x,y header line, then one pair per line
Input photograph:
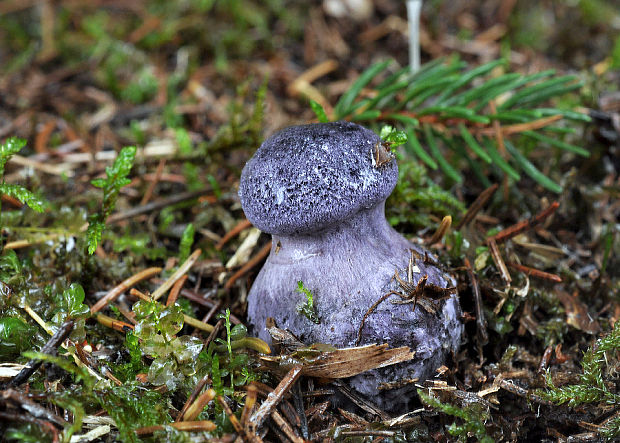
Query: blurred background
x,y
101,65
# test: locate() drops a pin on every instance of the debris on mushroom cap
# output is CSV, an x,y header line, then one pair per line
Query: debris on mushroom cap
x,y
305,178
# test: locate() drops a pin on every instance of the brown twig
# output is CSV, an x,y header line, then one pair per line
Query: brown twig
x,y
259,257
535,272
303,83
50,348
509,386
544,361
519,127
250,401
216,307
159,204
286,427
213,334
40,141
153,183
11,200
23,401
122,287
239,227
363,403
505,130
269,405
478,204
45,426
298,401
176,289
522,226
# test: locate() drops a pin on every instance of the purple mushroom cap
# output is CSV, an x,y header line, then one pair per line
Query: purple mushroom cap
x,y
305,178
320,192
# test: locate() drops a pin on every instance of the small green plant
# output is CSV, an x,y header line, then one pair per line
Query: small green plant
x,y
473,416
448,108
187,240
116,178
392,137
7,149
70,305
307,309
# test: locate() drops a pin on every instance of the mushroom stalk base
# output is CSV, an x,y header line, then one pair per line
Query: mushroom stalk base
x,y
348,267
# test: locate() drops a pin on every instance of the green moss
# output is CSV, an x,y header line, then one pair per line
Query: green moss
x,y
599,364
473,418
133,407
307,309
15,337
417,200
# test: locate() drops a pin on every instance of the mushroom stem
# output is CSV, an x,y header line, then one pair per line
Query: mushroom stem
x,y
341,242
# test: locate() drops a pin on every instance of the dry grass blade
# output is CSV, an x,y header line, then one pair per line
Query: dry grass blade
x,y
535,272
499,261
111,323
441,231
184,268
198,405
343,363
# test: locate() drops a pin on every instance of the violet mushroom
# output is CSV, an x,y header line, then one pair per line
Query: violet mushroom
x,y
320,191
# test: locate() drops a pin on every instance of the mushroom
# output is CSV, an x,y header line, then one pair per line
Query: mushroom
x,y
320,191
